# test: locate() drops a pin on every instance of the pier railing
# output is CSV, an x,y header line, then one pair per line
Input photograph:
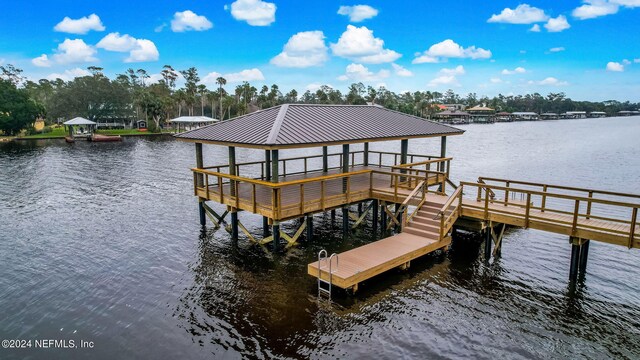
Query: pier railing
x,y
293,198
585,216
450,212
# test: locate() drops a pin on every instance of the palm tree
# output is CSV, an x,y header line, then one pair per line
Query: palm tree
x,y
221,82
202,90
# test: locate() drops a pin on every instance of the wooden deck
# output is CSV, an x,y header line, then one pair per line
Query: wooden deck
x,y
365,262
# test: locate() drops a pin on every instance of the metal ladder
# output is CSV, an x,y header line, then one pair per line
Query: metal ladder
x,y
325,290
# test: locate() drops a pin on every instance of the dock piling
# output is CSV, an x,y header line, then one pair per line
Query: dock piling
x,y
584,254
275,229
376,207
575,260
309,227
203,219
487,243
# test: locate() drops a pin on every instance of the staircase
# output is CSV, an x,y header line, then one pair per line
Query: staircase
x,y
434,221
425,222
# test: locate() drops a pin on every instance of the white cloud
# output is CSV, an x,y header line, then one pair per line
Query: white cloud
x,y
74,51
401,71
495,80
359,44
188,20
458,70
69,74
145,50
448,80
303,49
626,62
550,81
358,13
116,42
523,14
615,66
254,12
594,8
359,72
627,3
535,28
637,61
557,49
244,75
139,50
450,49
518,70
557,24
41,61
80,26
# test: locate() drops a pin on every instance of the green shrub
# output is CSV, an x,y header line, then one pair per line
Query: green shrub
x,y
47,129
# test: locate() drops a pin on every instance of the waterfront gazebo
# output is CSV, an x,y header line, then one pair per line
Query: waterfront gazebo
x,y
85,127
191,122
289,188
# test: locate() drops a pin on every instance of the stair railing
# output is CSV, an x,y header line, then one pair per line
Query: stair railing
x,y
421,190
447,215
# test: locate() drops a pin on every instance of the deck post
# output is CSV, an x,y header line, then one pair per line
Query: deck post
x,y
275,173
443,150
267,177
325,159
376,207
309,227
333,216
584,254
398,216
232,187
359,209
199,182
575,260
383,218
487,243
366,154
345,207
404,149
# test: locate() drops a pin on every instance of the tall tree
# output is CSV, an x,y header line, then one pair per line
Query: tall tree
x,y
17,110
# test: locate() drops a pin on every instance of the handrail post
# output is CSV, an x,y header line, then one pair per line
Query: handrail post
x,y
544,198
195,183
527,210
486,203
506,194
206,184
632,229
322,195
589,204
574,227
301,198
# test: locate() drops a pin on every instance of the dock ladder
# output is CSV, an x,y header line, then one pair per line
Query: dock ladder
x,y
324,287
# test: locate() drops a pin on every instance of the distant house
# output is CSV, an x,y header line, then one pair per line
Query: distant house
x,y
549,116
504,117
625,113
575,115
481,114
597,114
454,107
453,117
525,116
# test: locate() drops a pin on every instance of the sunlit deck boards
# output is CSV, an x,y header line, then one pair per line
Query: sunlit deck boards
x,y
593,229
365,262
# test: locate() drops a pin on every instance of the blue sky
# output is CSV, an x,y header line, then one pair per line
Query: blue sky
x,y
589,50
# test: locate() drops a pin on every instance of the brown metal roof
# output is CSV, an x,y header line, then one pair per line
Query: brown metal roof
x,y
300,125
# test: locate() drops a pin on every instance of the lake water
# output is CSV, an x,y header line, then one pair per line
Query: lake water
x,y
101,242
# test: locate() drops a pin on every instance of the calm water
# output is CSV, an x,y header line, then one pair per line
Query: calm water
x,y
101,242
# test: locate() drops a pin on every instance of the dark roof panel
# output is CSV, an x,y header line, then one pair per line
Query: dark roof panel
x,y
299,124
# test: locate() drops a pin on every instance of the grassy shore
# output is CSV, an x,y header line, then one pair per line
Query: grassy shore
x,y
60,133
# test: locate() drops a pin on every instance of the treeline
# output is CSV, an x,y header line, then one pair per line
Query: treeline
x,y
132,96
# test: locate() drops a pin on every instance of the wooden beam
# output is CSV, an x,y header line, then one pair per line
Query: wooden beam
x,y
325,159
366,154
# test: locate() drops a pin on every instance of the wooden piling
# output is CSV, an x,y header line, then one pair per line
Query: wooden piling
x,y
309,227
575,260
376,207
584,255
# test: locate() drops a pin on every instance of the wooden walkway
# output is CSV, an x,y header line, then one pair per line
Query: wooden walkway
x,y
608,231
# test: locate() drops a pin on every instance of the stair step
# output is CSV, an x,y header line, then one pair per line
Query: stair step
x,y
426,227
422,233
427,220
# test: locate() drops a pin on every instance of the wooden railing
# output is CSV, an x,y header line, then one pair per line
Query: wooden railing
x,y
288,199
419,193
440,164
450,212
577,212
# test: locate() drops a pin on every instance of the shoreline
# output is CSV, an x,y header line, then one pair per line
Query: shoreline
x,y
62,137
